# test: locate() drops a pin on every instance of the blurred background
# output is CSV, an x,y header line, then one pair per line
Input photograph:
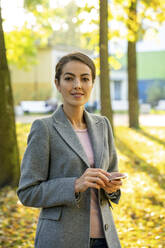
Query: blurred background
x,y
36,37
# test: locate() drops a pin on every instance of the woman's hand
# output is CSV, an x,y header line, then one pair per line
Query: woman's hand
x,y
113,186
96,178
92,178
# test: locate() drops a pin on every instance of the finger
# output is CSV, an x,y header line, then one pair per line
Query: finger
x,y
104,172
99,174
110,189
96,180
113,187
117,183
93,185
99,170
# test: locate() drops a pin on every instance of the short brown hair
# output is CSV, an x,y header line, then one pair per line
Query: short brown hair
x,y
75,56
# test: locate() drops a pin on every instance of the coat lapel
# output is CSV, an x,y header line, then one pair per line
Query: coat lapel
x,y
64,128
96,134
95,130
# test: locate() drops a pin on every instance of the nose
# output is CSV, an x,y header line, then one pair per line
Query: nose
x,y
77,83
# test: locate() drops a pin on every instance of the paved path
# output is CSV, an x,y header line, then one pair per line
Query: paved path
x,y
119,119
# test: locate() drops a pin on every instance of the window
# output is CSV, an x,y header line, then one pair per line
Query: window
x,y
117,89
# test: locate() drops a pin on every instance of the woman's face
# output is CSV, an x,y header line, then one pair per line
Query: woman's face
x,y
75,83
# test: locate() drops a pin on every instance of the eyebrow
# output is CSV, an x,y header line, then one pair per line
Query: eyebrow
x,y
72,74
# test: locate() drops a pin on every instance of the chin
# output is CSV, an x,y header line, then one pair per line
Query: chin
x,y
76,104
79,104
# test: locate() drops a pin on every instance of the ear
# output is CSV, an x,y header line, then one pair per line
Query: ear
x,y
57,85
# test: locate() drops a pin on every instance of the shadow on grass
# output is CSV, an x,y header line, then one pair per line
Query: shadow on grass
x,y
140,164
150,136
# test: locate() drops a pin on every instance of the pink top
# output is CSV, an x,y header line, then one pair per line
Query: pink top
x,y
96,227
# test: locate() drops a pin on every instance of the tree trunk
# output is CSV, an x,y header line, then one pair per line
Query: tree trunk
x,y
132,86
132,70
106,108
9,155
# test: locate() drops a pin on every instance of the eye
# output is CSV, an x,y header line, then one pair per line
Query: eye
x,y
68,79
85,79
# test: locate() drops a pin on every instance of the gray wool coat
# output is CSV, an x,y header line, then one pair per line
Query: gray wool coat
x,y
54,158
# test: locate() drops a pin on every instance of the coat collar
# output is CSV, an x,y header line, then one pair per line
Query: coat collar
x,y
95,131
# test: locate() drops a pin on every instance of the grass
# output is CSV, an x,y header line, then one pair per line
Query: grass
x,y
157,112
140,215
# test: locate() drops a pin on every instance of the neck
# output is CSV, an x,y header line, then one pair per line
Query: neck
x,y
75,115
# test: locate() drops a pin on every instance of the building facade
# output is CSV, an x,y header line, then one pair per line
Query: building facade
x,y
38,82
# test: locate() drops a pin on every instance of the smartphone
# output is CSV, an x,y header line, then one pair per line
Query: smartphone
x,y
116,176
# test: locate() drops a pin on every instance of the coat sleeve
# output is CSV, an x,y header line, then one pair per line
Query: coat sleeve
x,y
35,189
113,164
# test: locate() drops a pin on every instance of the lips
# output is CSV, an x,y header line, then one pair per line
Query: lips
x,y
77,94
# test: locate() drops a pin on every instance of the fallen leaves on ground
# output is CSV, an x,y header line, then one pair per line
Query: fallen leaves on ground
x,y
140,215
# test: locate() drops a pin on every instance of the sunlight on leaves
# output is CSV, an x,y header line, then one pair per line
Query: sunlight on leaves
x,y
140,215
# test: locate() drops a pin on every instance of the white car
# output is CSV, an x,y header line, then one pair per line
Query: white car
x,y
35,107
161,105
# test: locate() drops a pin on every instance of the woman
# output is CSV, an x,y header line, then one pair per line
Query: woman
x,y
66,166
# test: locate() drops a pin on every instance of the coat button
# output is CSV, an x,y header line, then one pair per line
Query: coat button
x,y
106,226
